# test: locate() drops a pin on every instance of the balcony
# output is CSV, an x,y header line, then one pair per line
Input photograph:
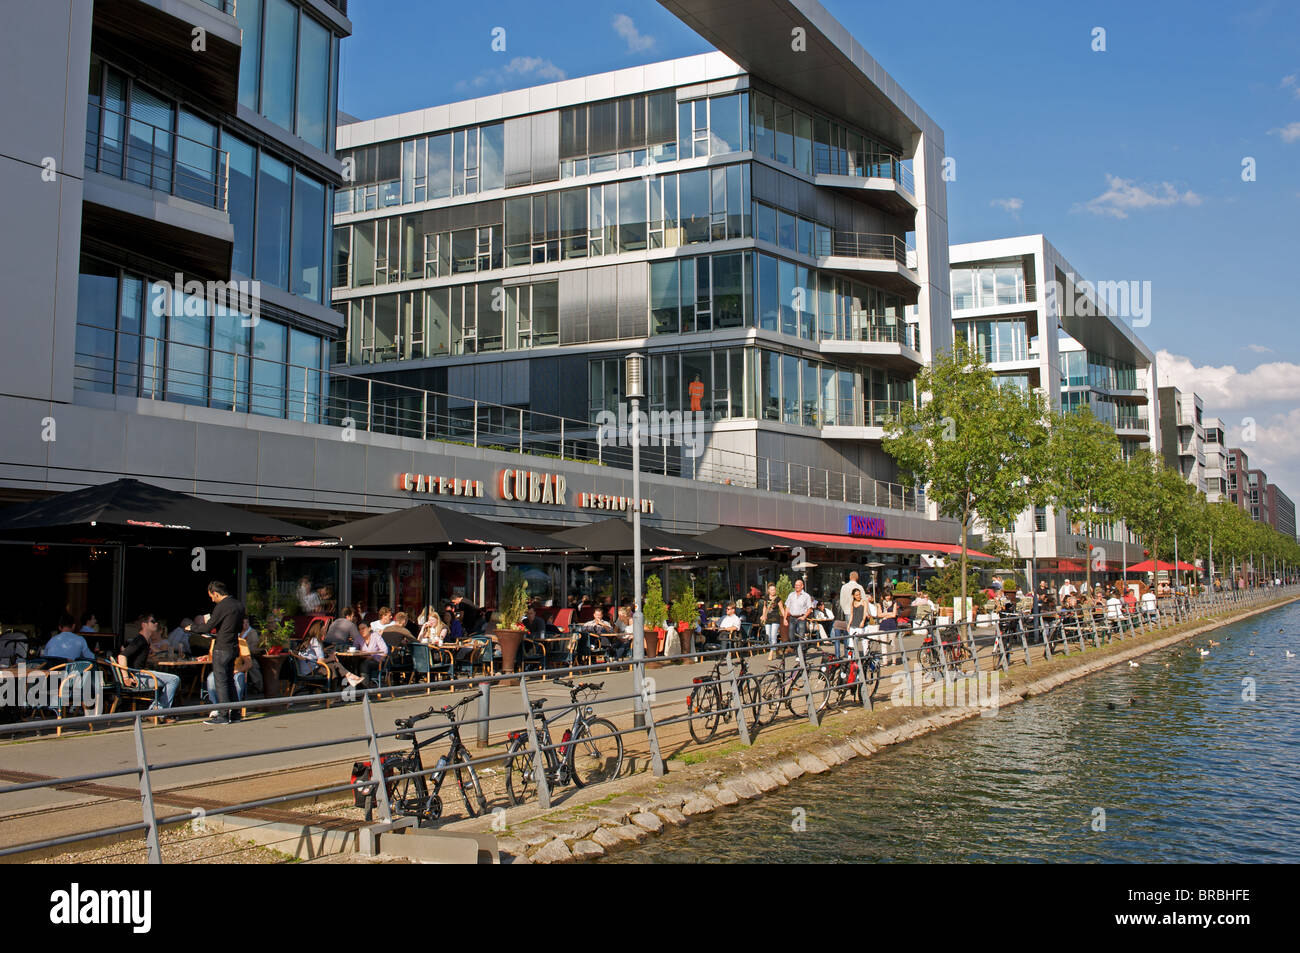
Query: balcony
x,y
884,181
169,192
897,345
884,257
161,33
1133,426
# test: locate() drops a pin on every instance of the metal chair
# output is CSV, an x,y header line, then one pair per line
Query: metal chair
x,y
428,659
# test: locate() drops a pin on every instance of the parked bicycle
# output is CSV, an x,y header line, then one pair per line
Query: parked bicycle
x,y
711,700
955,651
590,750
785,685
413,792
846,680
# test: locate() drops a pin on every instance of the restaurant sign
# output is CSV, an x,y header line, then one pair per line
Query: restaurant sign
x,y
443,486
864,526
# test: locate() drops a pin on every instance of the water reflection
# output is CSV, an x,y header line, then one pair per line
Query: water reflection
x,y
1187,771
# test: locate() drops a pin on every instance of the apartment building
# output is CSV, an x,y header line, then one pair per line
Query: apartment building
x,y
1183,435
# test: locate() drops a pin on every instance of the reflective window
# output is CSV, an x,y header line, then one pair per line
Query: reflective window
x,y
313,82
308,237
279,48
273,204
249,15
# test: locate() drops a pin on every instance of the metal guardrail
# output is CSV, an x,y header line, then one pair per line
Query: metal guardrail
x,y
246,383
950,652
869,245
131,149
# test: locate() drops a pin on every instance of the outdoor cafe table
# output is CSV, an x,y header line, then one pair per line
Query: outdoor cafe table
x,y
190,672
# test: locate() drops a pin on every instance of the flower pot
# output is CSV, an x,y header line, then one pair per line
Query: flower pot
x,y
509,640
272,664
652,647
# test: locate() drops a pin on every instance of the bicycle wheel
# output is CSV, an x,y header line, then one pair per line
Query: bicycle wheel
x,y
870,678
595,753
521,782
704,712
410,797
797,700
750,701
768,693
467,779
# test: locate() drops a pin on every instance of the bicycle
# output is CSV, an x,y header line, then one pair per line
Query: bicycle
x,y
955,652
590,750
410,792
785,686
846,679
711,701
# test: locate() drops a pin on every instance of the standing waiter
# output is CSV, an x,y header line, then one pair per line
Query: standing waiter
x,y
227,619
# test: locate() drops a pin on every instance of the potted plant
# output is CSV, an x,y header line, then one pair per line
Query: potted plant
x,y
655,611
510,628
275,645
683,614
904,593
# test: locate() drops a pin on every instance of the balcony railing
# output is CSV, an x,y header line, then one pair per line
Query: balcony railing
x,y
225,6
876,166
160,159
876,333
156,369
868,245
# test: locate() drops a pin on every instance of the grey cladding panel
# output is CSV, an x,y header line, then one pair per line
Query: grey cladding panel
x,y
633,313
546,147
602,303
573,307
519,151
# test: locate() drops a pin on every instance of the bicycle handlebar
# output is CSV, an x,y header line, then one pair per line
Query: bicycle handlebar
x,y
410,721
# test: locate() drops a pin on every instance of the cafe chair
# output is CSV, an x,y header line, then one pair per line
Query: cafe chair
x,y
563,619
77,677
532,655
13,647
397,667
119,689
428,660
320,679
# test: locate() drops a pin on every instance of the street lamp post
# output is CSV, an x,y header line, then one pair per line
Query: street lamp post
x,y
634,390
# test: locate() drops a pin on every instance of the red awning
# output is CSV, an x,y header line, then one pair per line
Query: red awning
x,y
842,541
1156,566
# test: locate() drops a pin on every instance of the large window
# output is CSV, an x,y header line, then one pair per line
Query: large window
x,y
287,68
273,206
992,284
308,256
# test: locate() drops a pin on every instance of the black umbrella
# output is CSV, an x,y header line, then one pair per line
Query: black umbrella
x,y
135,513
614,535
430,526
738,541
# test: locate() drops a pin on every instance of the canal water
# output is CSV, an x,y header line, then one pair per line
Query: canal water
x,y
1184,766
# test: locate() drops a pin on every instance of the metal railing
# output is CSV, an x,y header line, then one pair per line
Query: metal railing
x,y
156,369
133,150
869,166
869,245
824,673
225,6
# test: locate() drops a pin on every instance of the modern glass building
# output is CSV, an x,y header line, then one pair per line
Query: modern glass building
x,y
1041,325
758,237
223,291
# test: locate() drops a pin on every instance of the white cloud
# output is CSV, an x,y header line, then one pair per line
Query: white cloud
x,y
625,27
1125,195
1258,348
1268,394
1290,82
1009,205
1289,133
521,70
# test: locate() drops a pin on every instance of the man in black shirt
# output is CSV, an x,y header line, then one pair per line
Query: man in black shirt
x,y
471,615
134,655
226,621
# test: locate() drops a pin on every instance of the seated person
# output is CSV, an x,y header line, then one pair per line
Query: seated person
x,y
534,624
244,666
375,649
622,644
89,623
397,633
179,638
433,631
729,626
384,621
312,650
599,628
66,644
135,654
343,630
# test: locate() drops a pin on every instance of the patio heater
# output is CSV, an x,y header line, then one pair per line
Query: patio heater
x,y
634,390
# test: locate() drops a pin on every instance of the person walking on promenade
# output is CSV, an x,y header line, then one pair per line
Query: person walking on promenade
x,y
798,608
225,622
771,617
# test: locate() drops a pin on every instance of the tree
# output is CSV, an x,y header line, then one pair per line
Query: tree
x,y
1149,500
1083,475
969,442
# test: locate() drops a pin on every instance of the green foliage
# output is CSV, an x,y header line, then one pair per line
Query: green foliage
x,y
904,589
978,448
277,634
514,600
685,607
1084,475
655,609
784,587
946,584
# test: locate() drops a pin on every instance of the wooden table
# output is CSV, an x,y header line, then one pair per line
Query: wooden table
x,y
190,672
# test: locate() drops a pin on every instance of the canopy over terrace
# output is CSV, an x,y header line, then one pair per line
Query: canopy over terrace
x,y
614,535
431,526
1154,565
870,543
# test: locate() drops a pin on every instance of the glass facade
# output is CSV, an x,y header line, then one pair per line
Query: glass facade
x,y
288,68
995,340
138,337
992,284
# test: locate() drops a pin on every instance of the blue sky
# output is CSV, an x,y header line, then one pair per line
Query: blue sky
x,y
1129,160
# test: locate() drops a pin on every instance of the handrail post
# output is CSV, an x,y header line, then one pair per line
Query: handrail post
x,y
521,430
474,411
539,759
424,417
484,725
807,688
377,777
146,796
738,705
370,402
647,712
561,438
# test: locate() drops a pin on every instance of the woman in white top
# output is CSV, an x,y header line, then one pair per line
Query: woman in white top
x,y
432,630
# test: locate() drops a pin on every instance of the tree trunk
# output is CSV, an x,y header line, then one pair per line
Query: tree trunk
x,y
964,521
